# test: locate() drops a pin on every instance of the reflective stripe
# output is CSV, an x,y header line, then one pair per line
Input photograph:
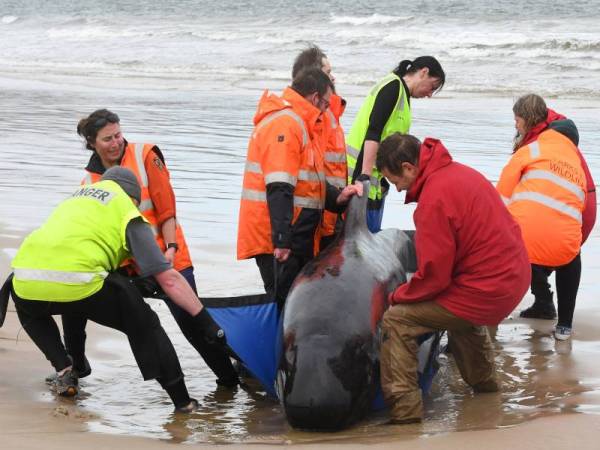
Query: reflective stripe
x,y
374,182
307,202
332,119
254,195
280,177
352,151
87,179
58,276
139,159
506,200
145,205
335,157
305,175
285,112
300,202
549,202
253,167
401,100
549,176
339,182
534,150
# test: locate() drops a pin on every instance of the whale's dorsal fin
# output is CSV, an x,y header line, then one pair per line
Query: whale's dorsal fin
x,y
356,218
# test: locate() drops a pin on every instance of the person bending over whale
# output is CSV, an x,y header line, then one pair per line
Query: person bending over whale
x,y
68,266
472,270
548,188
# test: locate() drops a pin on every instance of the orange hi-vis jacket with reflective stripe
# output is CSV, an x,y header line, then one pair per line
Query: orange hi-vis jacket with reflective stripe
x,y
136,157
284,148
544,188
336,167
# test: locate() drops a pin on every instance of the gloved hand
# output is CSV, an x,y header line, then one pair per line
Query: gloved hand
x,y
147,286
211,330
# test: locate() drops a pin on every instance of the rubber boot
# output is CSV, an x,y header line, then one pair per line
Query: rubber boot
x,y
542,308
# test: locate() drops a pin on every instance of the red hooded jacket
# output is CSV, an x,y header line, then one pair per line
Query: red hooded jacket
x,y
470,255
589,211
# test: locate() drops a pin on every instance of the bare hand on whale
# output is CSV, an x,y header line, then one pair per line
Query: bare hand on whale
x,y
348,192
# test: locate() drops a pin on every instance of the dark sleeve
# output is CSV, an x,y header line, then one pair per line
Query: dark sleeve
x,y
331,195
144,249
382,110
280,200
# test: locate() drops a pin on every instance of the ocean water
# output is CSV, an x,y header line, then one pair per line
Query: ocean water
x,y
487,47
187,75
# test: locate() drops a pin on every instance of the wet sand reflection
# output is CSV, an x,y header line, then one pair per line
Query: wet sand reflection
x,y
538,378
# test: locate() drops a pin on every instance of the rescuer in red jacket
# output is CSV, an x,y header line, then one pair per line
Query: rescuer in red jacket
x,y
472,269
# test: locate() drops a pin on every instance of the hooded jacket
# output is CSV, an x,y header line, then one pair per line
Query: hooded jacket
x,y
470,255
284,190
566,127
336,168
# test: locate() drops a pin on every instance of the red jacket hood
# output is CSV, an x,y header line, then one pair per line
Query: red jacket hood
x,y
433,156
533,134
270,102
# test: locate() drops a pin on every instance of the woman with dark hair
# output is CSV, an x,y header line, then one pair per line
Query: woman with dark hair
x,y
548,188
101,131
386,110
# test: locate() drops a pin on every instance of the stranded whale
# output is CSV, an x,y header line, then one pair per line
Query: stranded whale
x,y
328,372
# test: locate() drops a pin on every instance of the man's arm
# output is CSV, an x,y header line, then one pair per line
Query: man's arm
x,y
280,200
152,262
436,249
336,200
280,163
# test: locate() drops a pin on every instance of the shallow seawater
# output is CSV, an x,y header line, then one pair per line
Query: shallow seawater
x,y
540,377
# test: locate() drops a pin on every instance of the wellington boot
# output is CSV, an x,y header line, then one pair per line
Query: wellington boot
x,y
539,310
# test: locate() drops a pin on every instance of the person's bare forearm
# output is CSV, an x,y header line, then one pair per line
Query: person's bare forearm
x,y
168,230
179,291
370,149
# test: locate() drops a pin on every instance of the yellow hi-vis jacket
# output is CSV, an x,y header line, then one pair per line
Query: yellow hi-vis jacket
x,y
70,255
399,121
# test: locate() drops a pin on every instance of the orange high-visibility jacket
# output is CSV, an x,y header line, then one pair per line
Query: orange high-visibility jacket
x,y
544,188
336,168
136,157
284,147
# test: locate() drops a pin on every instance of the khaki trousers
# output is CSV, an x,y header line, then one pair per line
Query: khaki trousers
x,y
402,324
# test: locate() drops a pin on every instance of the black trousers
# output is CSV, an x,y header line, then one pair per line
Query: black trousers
x,y
117,305
278,277
567,285
214,355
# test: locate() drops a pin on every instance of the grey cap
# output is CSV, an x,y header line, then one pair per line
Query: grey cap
x,y
126,179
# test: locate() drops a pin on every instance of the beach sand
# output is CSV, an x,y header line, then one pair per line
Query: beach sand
x,y
553,400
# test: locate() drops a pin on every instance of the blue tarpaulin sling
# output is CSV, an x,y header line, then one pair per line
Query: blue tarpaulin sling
x,y
252,326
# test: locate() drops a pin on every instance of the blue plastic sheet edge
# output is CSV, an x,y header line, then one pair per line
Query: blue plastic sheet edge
x,y
253,329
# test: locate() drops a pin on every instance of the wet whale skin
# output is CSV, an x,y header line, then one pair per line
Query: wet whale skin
x,y
328,370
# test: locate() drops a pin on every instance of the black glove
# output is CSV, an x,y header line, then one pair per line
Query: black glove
x,y
211,330
147,286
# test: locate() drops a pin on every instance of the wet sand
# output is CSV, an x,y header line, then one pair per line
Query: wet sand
x,y
550,398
